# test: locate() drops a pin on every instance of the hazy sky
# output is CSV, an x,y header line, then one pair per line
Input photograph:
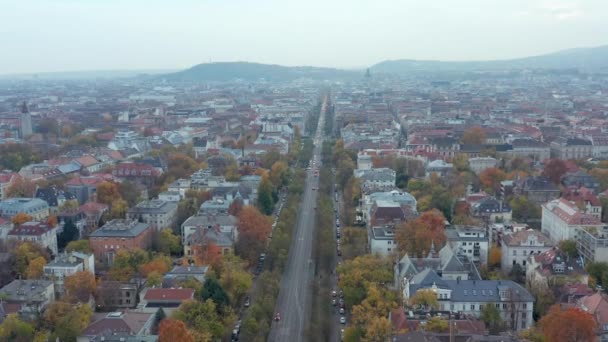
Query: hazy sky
x,y
66,35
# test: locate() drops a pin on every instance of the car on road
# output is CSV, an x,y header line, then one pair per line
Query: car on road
x,y
342,312
334,302
277,317
334,293
342,320
247,302
339,252
314,188
262,257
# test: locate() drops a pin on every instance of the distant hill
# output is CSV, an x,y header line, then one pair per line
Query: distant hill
x,y
230,71
89,74
584,59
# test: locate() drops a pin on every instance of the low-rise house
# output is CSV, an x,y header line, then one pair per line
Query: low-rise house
x,y
226,224
204,237
492,209
150,299
7,179
439,166
170,196
480,164
179,274
34,207
597,305
159,214
571,148
390,213
38,232
29,297
402,198
124,326
85,187
530,148
579,179
470,296
373,180
65,265
554,267
471,241
562,218
382,240
538,189
119,235
586,198
112,295
518,246
446,263
181,186
54,197
592,243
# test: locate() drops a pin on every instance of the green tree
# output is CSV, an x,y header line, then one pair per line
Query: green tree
x,y
158,317
200,316
436,324
79,246
265,199
214,291
14,329
129,192
524,210
490,315
426,299
569,247
168,242
70,233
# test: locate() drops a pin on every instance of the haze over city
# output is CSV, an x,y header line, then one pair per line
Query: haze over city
x,y
69,35
303,171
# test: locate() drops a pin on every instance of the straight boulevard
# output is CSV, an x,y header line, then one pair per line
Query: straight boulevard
x,y
294,302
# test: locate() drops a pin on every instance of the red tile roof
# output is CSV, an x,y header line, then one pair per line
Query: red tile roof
x,y
31,229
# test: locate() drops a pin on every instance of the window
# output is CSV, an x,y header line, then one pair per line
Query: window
x,y
473,307
525,306
504,306
514,252
523,315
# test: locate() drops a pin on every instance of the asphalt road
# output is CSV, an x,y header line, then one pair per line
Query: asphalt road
x,y
294,303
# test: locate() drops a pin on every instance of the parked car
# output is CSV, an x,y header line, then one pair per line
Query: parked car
x,y
247,302
277,317
334,293
342,320
342,312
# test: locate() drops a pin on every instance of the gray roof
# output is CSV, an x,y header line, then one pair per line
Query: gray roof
x,y
30,290
121,228
470,290
153,207
210,220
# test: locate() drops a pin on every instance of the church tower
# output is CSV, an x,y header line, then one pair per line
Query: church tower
x,y
26,121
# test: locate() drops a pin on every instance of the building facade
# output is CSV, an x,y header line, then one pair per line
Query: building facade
x,y
117,235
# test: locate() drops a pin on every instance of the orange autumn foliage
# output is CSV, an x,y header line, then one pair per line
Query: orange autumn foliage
x,y
580,325
21,218
491,178
415,237
207,254
159,265
171,330
253,224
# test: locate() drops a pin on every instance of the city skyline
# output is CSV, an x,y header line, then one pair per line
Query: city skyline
x,y
111,35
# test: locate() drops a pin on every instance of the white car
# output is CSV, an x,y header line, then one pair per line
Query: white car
x,y
342,320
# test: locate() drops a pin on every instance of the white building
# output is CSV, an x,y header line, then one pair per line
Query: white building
x,y
380,179
382,241
517,247
38,232
480,164
364,161
471,241
561,219
159,214
181,185
34,207
469,297
66,265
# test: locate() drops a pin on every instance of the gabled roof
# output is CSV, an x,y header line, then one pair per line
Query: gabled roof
x,y
172,294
